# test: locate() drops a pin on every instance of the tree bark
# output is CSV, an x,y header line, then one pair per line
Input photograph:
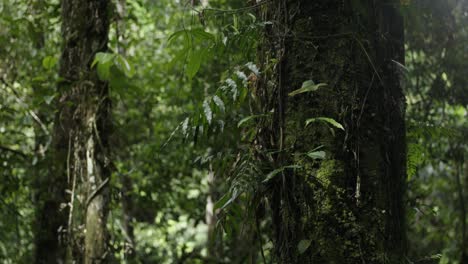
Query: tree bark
x,y
81,131
347,207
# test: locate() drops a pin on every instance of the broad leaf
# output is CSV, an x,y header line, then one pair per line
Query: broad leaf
x,y
49,62
303,245
316,154
103,58
194,61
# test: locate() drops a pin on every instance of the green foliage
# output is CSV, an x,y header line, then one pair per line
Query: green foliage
x,y
185,107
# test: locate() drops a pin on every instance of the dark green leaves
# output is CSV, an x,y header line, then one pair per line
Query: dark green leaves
x,y
197,45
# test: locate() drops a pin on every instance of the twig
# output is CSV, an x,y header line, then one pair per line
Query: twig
x,y
97,191
369,59
72,198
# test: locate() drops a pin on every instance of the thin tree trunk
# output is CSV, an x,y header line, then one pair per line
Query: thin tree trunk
x,y
81,130
461,173
347,207
210,216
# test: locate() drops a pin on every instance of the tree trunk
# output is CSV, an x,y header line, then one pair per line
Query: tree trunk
x,y
81,131
347,207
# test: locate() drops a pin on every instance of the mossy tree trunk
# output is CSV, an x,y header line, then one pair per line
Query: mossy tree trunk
x,y
81,132
347,207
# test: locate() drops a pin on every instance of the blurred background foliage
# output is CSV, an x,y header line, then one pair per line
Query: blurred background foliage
x,y
181,118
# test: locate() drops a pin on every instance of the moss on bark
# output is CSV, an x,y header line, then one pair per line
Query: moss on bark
x,y
349,206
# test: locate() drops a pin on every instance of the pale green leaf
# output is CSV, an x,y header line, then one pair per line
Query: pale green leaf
x,y
207,111
307,86
275,172
48,99
303,245
124,66
328,120
219,103
247,119
316,154
185,124
103,58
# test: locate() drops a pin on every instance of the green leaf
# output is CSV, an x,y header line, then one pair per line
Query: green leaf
x,y
221,202
227,199
49,62
207,111
185,124
124,66
48,99
247,119
202,34
194,61
103,58
103,72
219,103
316,154
117,80
303,245
176,35
307,86
104,62
330,121
275,172
179,56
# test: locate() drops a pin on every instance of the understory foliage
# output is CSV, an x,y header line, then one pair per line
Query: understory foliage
x,y
192,178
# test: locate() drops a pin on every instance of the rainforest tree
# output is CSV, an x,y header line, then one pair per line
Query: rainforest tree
x,y
332,83
81,164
